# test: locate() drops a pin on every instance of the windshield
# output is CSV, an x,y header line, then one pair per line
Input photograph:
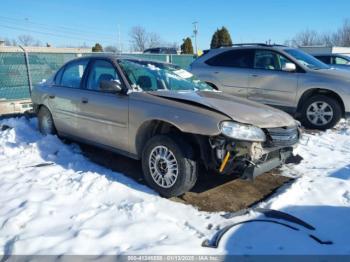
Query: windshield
x,y
153,76
307,59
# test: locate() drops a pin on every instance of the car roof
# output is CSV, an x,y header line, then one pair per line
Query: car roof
x,y
247,46
115,57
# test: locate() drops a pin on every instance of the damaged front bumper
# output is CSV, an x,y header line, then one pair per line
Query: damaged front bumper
x,y
251,159
278,158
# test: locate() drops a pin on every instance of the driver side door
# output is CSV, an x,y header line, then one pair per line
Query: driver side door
x,y
269,83
104,114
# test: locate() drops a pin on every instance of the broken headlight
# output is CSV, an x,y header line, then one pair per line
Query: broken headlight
x,y
242,131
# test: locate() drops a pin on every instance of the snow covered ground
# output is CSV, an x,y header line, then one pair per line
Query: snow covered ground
x,y
74,206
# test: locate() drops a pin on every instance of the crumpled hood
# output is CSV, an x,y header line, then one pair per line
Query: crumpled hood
x,y
238,109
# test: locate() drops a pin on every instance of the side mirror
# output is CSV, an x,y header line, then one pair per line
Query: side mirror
x,y
111,86
289,67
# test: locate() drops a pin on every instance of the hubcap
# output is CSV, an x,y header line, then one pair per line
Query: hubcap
x,y
46,125
319,113
163,166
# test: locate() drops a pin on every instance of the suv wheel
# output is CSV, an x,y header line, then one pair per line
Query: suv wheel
x,y
46,124
321,112
168,166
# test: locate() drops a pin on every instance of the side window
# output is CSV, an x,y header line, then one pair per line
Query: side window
x,y
101,70
265,59
73,73
269,60
324,59
340,61
233,58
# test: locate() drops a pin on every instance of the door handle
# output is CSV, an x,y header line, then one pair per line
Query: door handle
x,y
51,96
84,100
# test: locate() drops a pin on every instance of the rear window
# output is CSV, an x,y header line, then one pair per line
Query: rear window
x,y
233,58
73,74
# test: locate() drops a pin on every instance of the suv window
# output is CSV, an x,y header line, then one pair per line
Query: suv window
x,y
339,60
101,70
325,59
266,59
233,58
73,73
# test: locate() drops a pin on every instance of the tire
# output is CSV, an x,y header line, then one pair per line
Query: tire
x,y
45,121
180,157
313,120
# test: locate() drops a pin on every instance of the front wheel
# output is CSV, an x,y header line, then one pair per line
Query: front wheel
x,y
45,121
168,166
321,112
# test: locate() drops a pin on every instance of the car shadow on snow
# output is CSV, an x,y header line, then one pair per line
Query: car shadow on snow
x,y
257,238
128,169
133,169
212,192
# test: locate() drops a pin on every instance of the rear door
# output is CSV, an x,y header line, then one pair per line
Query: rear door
x,y
232,68
104,115
268,83
65,96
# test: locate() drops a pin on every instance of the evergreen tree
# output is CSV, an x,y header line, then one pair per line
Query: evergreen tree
x,y
215,40
97,48
187,47
221,37
224,37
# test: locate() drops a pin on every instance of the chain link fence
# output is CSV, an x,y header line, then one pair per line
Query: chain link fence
x,y
16,73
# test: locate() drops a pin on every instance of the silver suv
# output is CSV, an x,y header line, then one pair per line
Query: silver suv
x,y
160,114
280,76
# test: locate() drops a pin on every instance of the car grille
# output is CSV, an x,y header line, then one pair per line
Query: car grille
x,y
282,137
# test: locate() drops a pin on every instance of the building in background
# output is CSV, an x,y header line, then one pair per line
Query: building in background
x,y
321,50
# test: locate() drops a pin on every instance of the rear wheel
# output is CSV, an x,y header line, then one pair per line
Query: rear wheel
x,y
46,124
168,166
321,112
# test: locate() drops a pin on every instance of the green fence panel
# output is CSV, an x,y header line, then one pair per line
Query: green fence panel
x,y
44,65
182,60
13,76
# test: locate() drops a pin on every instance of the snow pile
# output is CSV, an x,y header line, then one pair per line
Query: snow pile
x,y
55,201
320,197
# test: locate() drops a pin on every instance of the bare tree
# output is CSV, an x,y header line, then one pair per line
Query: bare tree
x,y
306,38
342,36
154,40
139,38
26,40
327,39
